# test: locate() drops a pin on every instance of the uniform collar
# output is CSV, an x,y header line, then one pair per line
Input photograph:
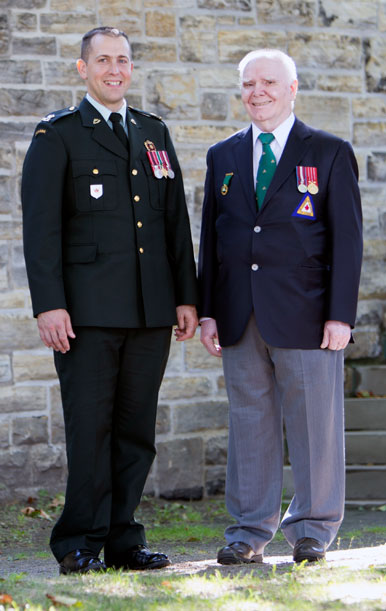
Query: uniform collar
x,y
106,112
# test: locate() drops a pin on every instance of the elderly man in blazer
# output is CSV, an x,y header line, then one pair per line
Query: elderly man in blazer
x,y
279,270
111,268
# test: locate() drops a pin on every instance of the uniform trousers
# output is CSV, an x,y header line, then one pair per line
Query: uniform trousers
x,y
267,386
109,383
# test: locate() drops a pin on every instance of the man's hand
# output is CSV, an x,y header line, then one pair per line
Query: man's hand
x,y
187,322
55,328
336,335
209,337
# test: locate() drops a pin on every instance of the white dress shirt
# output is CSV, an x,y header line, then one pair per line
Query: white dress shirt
x,y
281,134
106,112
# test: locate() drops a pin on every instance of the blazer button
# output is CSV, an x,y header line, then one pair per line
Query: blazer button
x,y
134,172
136,198
141,250
254,267
139,224
257,229
95,171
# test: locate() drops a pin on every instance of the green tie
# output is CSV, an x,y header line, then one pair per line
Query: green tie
x,y
266,170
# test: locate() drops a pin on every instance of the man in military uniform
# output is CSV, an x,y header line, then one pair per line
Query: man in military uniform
x,y
110,266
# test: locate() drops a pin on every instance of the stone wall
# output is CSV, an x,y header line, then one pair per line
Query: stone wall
x,y
185,56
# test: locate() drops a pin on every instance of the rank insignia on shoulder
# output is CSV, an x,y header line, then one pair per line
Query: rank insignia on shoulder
x,y
305,208
40,131
48,117
226,183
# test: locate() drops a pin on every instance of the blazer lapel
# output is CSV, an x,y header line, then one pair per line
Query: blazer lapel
x,y
242,151
137,148
299,140
102,133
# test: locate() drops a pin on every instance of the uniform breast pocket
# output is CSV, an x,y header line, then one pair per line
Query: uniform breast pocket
x,y
95,185
156,187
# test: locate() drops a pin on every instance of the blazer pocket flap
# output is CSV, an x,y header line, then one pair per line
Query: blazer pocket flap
x,y
93,168
80,253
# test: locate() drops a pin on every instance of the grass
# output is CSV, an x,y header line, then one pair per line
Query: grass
x,y
191,533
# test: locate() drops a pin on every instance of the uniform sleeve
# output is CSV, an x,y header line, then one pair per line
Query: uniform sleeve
x,y
178,235
42,191
345,230
207,263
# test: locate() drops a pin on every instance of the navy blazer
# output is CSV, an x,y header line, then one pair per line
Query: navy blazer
x,y
294,271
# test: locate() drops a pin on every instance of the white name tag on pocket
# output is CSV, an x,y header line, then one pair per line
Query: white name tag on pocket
x,y
96,191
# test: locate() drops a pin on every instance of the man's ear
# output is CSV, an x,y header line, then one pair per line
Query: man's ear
x,y
82,68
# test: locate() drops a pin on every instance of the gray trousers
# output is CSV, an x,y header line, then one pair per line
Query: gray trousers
x,y
303,388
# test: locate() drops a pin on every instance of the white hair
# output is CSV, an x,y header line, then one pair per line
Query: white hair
x,y
276,54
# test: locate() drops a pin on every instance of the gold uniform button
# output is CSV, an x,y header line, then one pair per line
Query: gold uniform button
x,y
141,250
139,224
95,171
134,172
136,198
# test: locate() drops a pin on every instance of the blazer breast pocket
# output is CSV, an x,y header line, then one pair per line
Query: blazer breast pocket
x,y
95,184
156,187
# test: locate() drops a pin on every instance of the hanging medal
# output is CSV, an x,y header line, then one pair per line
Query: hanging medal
x,y
300,178
312,180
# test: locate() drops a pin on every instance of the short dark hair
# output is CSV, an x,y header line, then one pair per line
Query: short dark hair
x,y
105,31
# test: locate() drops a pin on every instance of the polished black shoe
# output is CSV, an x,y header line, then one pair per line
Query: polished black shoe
x,y
140,558
81,561
308,549
238,553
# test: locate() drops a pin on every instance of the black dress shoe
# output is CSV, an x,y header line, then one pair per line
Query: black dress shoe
x,y
81,561
308,549
238,553
139,558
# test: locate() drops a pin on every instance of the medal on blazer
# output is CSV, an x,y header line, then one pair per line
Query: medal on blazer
x,y
159,161
226,181
305,208
307,179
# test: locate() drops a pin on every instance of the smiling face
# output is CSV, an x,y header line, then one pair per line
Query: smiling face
x,y
267,92
108,70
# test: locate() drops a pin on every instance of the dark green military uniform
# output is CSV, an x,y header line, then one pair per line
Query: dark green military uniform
x,y
108,241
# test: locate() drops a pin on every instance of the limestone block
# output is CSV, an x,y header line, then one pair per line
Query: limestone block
x,y
184,388
154,52
370,312
4,36
365,483
237,110
375,249
6,153
7,187
172,95
361,158
365,414
73,5
215,478
67,23
180,468
61,73
30,430
15,469
373,198
351,83
367,343
197,357
56,411
27,71
348,14
163,419
5,368
372,284
298,12
160,23
325,50
202,133
369,107
37,102
22,398
221,385
44,45
382,16
114,9
216,450
376,167
200,416
373,379
375,50
323,112
26,22
221,78
176,359
307,80
4,434
214,106
198,46
370,133
13,299
33,365
48,466
159,3
26,4
18,331
18,271
234,44
10,229
69,46
234,5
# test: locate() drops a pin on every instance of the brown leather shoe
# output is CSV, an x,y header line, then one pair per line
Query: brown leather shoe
x,y
308,549
139,558
81,561
238,553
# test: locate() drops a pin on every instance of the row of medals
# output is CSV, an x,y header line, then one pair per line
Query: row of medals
x,y
311,188
161,171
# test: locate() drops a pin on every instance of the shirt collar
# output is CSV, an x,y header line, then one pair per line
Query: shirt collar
x,y
281,132
106,112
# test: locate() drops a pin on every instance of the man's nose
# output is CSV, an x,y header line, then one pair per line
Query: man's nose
x,y
114,67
